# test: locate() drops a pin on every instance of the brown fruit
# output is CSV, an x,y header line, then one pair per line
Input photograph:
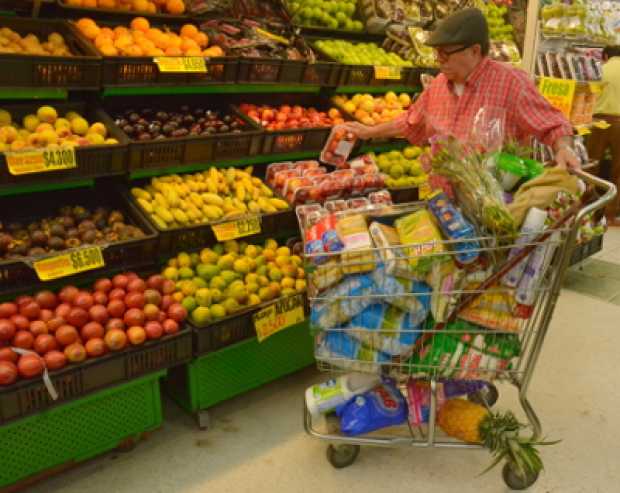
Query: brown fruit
x,y
66,335
21,322
7,310
115,340
99,313
153,297
7,354
68,294
75,353
154,330
7,330
170,326
54,360
30,365
116,308
23,339
38,327
8,372
134,299
46,299
134,317
77,317
95,347
84,300
92,330
45,343
30,310
136,335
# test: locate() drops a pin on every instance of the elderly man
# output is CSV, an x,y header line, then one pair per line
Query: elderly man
x,y
470,81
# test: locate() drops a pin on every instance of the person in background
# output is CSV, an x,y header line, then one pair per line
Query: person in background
x,y
469,81
608,108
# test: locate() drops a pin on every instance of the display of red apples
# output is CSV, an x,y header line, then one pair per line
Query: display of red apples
x,y
73,325
287,117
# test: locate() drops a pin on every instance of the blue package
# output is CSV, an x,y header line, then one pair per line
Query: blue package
x,y
337,345
378,408
331,241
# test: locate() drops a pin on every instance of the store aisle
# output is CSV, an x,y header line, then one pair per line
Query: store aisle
x,y
258,445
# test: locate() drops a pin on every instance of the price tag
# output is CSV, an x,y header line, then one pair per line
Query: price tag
x,y
425,191
40,160
602,124
558,92
237,229
582,130
279,315
387,72
188,64
81,260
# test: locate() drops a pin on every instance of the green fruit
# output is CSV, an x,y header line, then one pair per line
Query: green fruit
x,y
263,281
239,293
251,278
207,271
275,274
189,303
262,270
195,259
265,293
254,299
231,246
226,262
171,273
208,256
288,292
231,306
252,287
396,171
260,260
242,265
229,276
203,297
199,282
201,315
251,251
217,283
217,311
184,260
216,295
186,273
218,248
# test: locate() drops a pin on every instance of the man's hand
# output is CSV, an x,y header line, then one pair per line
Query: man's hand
x,y
565,157
360,130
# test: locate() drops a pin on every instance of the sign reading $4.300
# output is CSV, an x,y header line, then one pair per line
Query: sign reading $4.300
x,y
40,160
81,260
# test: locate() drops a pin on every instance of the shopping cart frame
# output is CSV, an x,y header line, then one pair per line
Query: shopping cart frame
x,y
343,450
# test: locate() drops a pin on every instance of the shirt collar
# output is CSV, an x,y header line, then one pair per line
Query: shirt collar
x,y
476,74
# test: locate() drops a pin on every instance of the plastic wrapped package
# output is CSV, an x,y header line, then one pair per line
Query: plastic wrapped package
x,y
337,348
413,297
338,147
353,233
386,239
423,241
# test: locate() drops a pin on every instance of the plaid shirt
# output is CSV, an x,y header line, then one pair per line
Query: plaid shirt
x,y
503,90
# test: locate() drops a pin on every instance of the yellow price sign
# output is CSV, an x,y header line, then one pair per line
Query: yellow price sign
x,y
601,124
40,160
559,93
179,64
279,315
582,130
387,72
81,260
425,191
237,229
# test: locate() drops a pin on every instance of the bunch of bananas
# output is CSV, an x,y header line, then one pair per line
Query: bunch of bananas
x,y
205,197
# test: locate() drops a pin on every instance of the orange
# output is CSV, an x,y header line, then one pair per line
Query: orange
x,y
108,50
91,32
188,31
123,7
140,23
175,7
140,5
74,3
106,31
202,39
106,4
213,51
153,34
85,22
123,41
133,50
151,8
119,31
157,52
162,41
193,52
146,45
174,40
173,51
189,44
103,40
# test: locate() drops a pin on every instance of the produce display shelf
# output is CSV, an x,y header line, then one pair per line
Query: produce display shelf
x,y
210,89
79,430
16,93
376,89
45,187
223,374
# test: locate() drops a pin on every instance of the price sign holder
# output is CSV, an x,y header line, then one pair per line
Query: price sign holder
x,y
559,93
40,160
387,72
181,64
67,264
278,316
239,228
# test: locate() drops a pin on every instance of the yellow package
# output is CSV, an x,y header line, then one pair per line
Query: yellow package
x,y
385,239
492,309
419,232
353,233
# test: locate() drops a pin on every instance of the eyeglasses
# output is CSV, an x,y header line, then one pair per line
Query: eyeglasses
x,y
442,54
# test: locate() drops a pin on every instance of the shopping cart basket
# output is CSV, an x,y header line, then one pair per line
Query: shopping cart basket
x,y
465,334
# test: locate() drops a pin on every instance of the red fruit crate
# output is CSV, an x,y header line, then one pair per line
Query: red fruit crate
x,y
27,397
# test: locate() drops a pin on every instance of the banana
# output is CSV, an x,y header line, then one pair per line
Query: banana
x,y
196,199
267,192
266,206
256,181
146,205
233,213
253,206
212,211
180,216
159,222
183,190
238,204
240,192
230,175
140,193
161,200
163,213
212,199
278,203
211,185
171,196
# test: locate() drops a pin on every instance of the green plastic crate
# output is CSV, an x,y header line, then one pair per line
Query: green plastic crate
x,y
80,429
223,374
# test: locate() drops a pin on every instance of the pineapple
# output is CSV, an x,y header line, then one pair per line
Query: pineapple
x,y
497,432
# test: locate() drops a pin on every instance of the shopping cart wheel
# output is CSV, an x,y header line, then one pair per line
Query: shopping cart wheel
x,y
341,456
488,395
514,481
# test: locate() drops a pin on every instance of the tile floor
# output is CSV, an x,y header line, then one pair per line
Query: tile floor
x,y
258,445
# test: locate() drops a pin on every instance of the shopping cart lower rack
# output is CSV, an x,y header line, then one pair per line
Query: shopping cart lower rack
x,y
476,308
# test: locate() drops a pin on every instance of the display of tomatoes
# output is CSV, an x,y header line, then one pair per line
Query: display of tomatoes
x,y
286,117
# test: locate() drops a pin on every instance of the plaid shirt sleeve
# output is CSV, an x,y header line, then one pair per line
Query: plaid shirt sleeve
x,y
411,124
535,116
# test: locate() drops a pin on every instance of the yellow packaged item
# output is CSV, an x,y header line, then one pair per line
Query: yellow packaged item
x,y
353,233
423,240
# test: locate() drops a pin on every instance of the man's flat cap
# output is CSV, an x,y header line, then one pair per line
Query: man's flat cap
x,y
465,27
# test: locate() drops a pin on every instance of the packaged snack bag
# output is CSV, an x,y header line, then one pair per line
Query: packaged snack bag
x,y
386,240
326,275
328,314
444,279
353,233
385,328
422,239
337,348
413,297
378,408
493,310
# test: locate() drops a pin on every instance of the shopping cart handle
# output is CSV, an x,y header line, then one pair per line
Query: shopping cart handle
x,y
596,182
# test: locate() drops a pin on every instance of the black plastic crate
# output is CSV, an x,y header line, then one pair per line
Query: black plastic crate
x,y
188,150
74,381
82,71
230,330
585,250
293,140
92,161
18,275
325,74
270,70
404,195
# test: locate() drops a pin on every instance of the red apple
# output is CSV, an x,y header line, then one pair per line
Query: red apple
x,y
103,285
75,353
7,330
30,310
116,308
134,299
7,310
154,330
21,322
95,347
84,300
92,330
120,281
78,317
54,360
177,312
63,310
68,294
170,326
115,323
136,335
99,313
156,281
38,327
44,343
134,317
46,299
136,285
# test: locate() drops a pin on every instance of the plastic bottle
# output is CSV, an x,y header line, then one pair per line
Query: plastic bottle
x,y
327,396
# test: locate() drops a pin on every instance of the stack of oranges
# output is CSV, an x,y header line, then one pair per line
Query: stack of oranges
x,y
140,39
174,7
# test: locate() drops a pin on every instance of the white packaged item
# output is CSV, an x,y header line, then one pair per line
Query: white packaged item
x,y
325,397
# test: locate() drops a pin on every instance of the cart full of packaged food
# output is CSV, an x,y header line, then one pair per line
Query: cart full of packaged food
x,y
418,308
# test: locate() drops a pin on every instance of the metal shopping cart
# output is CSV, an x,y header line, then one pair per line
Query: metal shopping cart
x,y
484,343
